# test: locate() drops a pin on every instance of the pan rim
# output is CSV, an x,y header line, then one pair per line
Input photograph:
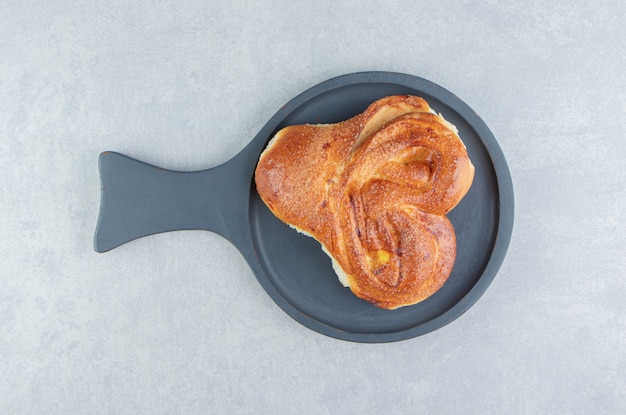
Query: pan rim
x,y
505,202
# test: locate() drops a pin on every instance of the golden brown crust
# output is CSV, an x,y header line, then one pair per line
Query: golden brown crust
x,y
373,190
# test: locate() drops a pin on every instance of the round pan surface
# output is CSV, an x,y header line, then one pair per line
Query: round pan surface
x,y
139,199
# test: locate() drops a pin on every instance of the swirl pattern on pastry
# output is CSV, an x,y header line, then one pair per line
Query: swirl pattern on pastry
x,y
374,191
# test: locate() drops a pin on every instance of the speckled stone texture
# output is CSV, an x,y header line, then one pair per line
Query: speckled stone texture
x,y
177,323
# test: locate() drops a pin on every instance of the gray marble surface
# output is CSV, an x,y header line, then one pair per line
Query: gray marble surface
x,y
177,323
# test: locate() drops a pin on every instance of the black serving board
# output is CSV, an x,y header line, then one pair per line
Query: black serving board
x,y
139,199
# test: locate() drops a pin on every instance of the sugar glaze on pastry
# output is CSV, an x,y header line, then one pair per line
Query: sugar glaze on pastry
x,y
374,191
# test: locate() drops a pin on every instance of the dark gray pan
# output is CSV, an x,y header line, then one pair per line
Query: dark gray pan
x,y
139,199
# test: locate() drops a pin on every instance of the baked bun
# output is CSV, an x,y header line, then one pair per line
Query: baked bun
x,y
374,191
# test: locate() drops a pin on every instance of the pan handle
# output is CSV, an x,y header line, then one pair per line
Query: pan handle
x,y
138,199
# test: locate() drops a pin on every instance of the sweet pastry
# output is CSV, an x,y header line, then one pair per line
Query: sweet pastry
x,y
374,191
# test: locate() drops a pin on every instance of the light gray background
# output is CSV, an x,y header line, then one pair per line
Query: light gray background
x,y
177,323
